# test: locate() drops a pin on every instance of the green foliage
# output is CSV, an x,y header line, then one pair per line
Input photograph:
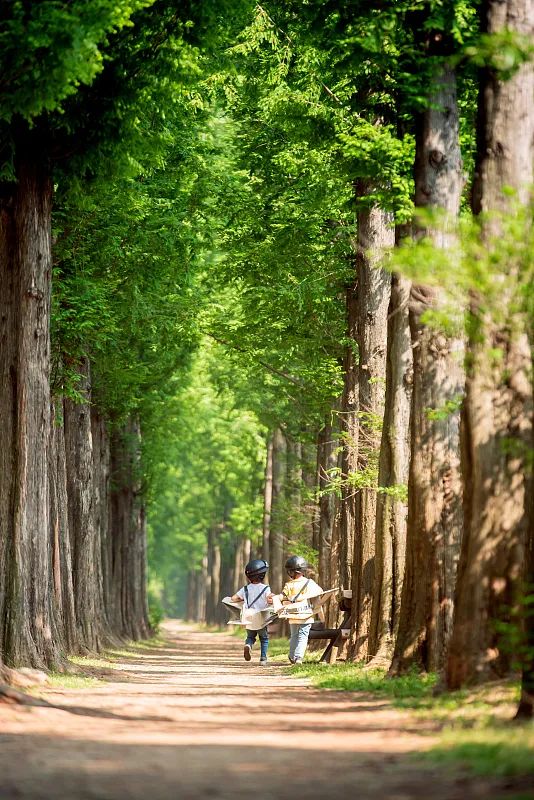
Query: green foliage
x,y
49,48
398,492
496,267
206,462
450,407
503,52
513,628
156,611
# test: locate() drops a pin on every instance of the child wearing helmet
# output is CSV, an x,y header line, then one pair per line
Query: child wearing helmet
x,y
254,595
298,588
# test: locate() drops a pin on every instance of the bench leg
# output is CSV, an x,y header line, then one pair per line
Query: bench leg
x,y
332,657
326,656
330,654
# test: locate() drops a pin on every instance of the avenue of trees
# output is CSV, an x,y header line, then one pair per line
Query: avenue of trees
x,y
268,286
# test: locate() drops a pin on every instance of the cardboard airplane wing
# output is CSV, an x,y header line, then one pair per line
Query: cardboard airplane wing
x,y
234,608
248,617
303,608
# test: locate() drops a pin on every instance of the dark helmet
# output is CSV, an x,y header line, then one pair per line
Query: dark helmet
x,y
256,568
296,564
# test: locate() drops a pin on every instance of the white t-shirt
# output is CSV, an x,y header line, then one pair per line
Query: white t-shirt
x,y
253,591
300,589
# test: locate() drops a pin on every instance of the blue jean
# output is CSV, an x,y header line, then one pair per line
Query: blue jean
x,y
298,641
264,641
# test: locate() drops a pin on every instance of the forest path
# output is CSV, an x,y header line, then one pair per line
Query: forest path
x,y
191,719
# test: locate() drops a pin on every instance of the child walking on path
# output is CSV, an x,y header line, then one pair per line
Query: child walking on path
x,y
254,596
297,589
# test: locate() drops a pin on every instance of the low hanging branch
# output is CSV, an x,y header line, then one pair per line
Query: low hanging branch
x,y
262,363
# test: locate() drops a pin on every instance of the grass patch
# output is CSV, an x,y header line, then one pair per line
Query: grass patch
x,y
476,728
67,680
86,669
497,751
410,690
95,662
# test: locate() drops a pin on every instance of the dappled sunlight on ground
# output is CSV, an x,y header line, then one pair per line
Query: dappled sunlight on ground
x,y
191,719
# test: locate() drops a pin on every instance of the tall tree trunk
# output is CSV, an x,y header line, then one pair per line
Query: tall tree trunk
x,y
85,540
242,557
328,444
267,501
102,470
349,437
129,607
214,572
138,573
202,590
277,519
391,508
239,566
376,234
190,601
435,485
59,526
525,709
497,429
293,495
336,578
26,588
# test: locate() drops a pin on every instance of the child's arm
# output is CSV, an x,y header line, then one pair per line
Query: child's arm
x,y
282,596
239,596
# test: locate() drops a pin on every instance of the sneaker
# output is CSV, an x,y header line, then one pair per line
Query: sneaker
x,y
246,652
291,660
263,662
297,661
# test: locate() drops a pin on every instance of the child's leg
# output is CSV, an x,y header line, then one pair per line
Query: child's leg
x,y
249,641
264,643
293,639
303,631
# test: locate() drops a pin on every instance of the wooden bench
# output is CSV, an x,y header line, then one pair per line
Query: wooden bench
x,y
334,635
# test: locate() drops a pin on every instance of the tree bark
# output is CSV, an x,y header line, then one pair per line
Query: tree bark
x,y
102,472
435,484
26,584
214,572
376,234
59,527
85,540
277,519
294,524
191,594
525,708
391,510
349,438
328,444
497,419
242,557
267,501
202,590
128,521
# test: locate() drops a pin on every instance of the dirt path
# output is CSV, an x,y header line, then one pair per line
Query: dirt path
x,y
193,720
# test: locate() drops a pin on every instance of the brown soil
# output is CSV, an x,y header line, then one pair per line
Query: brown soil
x,y
191,719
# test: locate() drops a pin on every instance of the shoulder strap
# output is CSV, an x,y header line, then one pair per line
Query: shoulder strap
x,y
246,595
300,592
249,605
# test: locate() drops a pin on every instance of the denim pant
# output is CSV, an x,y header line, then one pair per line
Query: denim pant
x,y
299,639
264,641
